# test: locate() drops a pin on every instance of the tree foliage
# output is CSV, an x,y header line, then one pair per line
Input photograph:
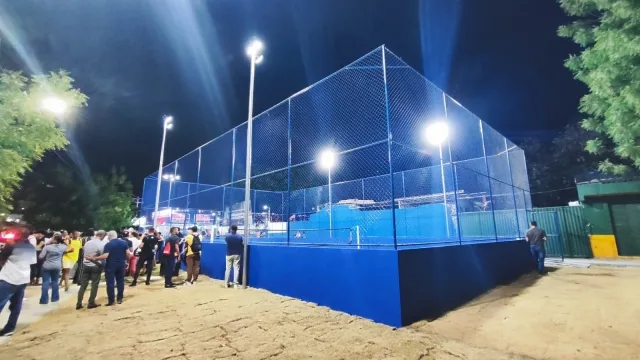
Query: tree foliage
x,y
27,130
553,165
56,196
609,33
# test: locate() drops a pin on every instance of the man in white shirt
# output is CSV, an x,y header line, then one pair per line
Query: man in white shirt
x,y
15,258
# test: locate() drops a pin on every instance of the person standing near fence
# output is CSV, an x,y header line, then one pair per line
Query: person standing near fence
x,y
536,238
193,247
147,250
234,252
170,254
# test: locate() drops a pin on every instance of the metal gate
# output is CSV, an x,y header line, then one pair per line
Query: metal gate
x,y
549,221
626,224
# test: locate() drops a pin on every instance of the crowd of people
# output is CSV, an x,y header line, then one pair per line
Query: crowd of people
x,y
61,257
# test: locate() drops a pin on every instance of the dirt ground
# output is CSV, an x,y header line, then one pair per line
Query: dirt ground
x,y
570,314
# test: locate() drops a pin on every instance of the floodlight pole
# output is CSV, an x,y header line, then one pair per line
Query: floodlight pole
x,y
247,178
164,139
330,208
444,190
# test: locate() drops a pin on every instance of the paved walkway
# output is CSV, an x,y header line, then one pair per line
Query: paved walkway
x,y
585,263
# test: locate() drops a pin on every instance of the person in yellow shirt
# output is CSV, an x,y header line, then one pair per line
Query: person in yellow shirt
x,y
70,258
193,248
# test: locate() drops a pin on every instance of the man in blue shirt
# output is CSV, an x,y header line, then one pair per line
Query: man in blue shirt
x,y
234,253
117,253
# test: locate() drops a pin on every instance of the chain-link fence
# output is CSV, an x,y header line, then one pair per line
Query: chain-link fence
x,y
323,161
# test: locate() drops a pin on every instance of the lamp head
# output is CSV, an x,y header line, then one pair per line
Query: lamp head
x,y
436,133
328,158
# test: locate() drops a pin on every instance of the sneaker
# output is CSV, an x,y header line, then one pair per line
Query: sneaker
x,y
147,283
93,306
194,282
133,284
110,304
79,306
186,283
119,301
237,286
172,286
6,333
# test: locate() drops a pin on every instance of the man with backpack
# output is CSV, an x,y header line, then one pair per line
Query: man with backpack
x,y
193,248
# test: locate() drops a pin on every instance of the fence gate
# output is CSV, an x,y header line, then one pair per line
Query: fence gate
x,y
549,221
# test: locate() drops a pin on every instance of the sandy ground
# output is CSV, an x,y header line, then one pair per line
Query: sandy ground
x,y
570,314
207,321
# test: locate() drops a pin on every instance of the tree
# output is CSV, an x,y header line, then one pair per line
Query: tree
x,y
54,195
609,33
553,165
114,200
27,130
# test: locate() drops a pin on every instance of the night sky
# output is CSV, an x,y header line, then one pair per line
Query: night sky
x,y
140,59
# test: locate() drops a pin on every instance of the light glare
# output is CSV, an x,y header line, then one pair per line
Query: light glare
x,y
436,133
327,158
55,105
254,48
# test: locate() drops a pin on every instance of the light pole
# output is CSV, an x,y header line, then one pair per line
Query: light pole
x,y
167,124
435,134
254,50
327,161
268,210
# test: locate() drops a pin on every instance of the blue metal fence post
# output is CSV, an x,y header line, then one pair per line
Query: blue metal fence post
x,y
198,178
389,142
454,172
513,187
486,163
289,171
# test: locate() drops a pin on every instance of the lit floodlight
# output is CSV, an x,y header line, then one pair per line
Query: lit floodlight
x,y
328,159
54,104
168,122
436,133
166,177
177,177
254,48
265,207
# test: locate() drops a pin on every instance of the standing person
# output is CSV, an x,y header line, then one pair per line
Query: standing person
x,y
92,269
15,260
37,240
135,244
193,247
52,255
116,252
170,254
147,255
536,238
70,258
234,252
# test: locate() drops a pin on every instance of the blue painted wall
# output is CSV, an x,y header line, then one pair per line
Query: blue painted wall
x,y
395,288
362,283
434,281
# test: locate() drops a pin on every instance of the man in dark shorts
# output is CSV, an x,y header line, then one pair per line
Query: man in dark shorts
x,y
147,255
536,238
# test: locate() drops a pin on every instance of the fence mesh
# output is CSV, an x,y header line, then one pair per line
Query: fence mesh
x,y
410,167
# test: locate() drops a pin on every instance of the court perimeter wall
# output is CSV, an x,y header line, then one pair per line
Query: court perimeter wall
x,y
392,287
